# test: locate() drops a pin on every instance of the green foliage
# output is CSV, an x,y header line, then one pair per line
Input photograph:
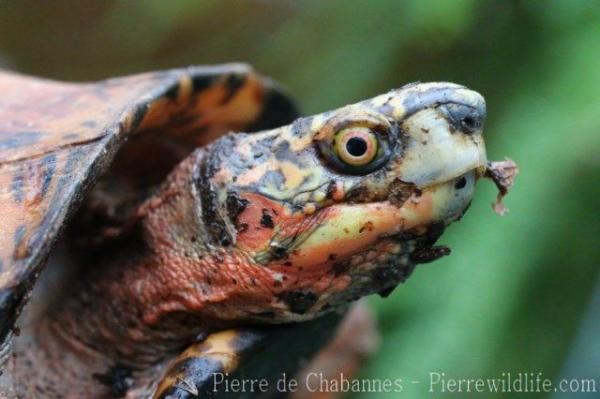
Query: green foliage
x,y
512,295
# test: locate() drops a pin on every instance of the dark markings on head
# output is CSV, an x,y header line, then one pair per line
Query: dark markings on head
x,y
387,276
232,84
358,194
331,189
208,196
282,150
272,177
425,251
298,302
266,220
19,139
265,144
416,100
302,126
277,252
384,293
277,110
340,268
434,232
235,206
426,255
400,191
117,378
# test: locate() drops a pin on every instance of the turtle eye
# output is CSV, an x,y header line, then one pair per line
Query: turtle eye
x,y
355,146
357,150
356,142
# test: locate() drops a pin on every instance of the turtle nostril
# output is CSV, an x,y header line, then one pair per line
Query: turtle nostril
x,y
460,183
469,122
468,118
465,118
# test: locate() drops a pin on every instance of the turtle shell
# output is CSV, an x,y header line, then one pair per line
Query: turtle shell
x,y
57,138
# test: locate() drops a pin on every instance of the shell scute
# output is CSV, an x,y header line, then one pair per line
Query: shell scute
x,y
57,138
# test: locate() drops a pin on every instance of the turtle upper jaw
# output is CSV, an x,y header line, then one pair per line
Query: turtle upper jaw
x,y
437,152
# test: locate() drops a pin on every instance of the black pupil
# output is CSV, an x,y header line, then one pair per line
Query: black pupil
x,y
356,146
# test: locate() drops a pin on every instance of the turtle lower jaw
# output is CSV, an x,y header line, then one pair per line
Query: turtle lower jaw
x,y
445,201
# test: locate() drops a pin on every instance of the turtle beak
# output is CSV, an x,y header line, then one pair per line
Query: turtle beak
x,y
445,142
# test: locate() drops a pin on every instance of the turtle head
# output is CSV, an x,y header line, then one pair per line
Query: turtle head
x,y
344,204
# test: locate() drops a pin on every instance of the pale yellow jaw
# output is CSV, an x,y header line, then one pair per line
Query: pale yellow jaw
x,y
350,229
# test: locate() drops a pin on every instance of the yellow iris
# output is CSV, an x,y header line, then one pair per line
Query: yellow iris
x,y
356,146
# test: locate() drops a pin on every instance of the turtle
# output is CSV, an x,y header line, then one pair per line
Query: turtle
x,y
168,227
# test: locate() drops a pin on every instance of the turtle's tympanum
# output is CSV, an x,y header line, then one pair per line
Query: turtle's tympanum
x,y
165,236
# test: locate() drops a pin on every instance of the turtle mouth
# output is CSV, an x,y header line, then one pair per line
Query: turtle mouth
x,y
372,247
478,171
346,229
380,266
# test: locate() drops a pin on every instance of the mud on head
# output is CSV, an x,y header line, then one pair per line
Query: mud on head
x,y
343,204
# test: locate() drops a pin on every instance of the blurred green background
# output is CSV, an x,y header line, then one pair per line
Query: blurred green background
x,y
517,295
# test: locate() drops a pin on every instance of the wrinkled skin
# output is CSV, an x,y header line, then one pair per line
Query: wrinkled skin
x,y
268,227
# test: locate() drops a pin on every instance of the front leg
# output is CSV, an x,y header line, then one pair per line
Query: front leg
x,y
267,359
245,354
